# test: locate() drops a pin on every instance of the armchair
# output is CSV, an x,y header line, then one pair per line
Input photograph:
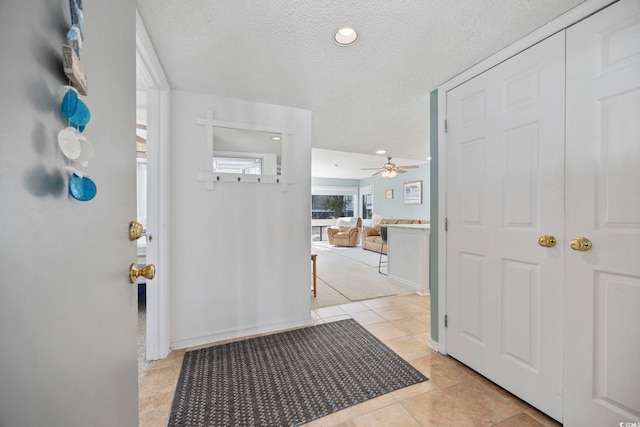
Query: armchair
x,y
345,232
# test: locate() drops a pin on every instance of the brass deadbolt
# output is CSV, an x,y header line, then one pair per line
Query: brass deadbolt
x,y
135,230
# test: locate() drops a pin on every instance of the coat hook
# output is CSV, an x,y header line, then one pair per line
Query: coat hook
x,y
218,177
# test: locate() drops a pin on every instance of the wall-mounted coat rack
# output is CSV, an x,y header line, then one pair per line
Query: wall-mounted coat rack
x,y
233,140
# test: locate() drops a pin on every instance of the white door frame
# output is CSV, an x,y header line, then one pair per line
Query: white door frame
x,y
571,17
366,189
151,73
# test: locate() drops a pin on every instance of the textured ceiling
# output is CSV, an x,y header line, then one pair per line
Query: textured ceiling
x,y
365,97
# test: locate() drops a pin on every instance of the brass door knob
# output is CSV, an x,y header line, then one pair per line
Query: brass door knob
x,y
548,241
581,244
148,271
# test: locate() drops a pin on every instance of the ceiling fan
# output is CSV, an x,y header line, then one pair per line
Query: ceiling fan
x,y
389,170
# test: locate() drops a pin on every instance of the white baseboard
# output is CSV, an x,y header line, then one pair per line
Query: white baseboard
x,y
433,345
237,333
406,284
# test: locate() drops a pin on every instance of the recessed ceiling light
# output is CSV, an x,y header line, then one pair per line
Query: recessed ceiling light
x,y
346,36
275,138
380,152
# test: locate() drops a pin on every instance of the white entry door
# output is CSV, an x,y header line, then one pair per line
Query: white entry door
x,y
68,314
602,290
505,172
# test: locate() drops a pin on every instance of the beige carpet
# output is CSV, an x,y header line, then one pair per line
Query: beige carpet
x,y
356,254
327,296
350,274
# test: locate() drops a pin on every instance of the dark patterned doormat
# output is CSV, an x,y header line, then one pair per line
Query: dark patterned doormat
x,y
287,379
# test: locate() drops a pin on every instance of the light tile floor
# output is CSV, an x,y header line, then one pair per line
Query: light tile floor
x,y
454,395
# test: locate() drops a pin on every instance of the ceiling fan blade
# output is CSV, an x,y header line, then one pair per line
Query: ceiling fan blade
x,y
390,167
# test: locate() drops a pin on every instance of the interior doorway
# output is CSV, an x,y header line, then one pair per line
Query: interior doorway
x,y
141,217
366,205
150,79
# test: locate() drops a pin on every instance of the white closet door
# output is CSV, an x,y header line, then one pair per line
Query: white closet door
x,y
505,189
602,298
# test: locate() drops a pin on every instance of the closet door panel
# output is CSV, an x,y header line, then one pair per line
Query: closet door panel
x,y
505,189
602,291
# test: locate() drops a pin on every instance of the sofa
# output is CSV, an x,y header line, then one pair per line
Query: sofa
x,y
371,239
346,232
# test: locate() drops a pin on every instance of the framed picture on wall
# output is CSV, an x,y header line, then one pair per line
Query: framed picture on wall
x,y
412,193
388,194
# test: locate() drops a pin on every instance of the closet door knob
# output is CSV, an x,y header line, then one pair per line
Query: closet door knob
x,y
548,241
581,244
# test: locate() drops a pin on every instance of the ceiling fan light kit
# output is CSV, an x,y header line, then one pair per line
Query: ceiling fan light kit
x,y
389,170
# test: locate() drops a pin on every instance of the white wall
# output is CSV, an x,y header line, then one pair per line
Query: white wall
x,y
240,253
395,208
